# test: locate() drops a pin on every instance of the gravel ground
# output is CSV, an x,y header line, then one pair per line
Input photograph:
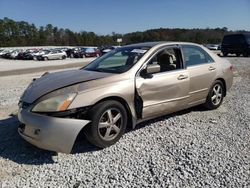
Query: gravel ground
x,y
191,148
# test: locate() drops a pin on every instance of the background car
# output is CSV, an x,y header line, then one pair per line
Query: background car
x,y
70,52
90,52
213,46
6,53
86,52
26,55
236,44
37,55
54,54
108,49
14,54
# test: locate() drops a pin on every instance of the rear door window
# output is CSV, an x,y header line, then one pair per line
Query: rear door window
x,y
194,55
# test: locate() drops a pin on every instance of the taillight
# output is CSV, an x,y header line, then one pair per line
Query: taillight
x,y
231,68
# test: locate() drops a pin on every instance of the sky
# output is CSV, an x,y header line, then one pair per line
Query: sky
x,y
123,16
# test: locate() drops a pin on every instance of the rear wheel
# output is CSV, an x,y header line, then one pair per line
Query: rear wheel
x,y
108,123
238,54
245,54
225,54
64,57
215,95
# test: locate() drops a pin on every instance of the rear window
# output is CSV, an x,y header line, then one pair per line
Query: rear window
x,y
248,39
233,39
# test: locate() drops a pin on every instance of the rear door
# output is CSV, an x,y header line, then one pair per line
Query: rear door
x,y
165,91
202,72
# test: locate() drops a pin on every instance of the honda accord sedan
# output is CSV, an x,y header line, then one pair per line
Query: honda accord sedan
x,y
118,90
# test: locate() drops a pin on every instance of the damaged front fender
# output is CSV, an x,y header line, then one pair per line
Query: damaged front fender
x,y
50,133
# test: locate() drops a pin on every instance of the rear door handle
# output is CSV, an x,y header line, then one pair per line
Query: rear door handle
x,y
182,77
211,68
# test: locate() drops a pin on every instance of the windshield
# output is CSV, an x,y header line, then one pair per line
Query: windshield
x,y
117,61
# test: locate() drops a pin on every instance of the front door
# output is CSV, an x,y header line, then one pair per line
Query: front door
x,y
165,91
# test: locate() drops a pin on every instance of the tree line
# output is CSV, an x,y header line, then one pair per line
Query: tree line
x,y
21,33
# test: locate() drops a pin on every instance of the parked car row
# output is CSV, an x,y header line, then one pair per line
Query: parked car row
x,y
54,53
30,54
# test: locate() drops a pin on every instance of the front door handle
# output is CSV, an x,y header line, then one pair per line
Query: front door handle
x,y
182,77
211,68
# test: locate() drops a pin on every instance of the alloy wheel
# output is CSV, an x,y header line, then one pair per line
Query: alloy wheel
x,y
110,124
216,94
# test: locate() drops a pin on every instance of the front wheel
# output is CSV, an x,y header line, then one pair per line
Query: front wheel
x,y
108,123
215,95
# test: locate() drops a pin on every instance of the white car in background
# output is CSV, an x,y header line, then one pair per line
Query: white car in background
x,y
213,46
109,49
54,54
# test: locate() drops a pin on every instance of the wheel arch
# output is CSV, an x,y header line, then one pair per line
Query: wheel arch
x,y
124,103
224,85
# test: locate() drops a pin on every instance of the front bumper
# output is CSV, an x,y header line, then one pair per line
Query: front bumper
x,y
50,133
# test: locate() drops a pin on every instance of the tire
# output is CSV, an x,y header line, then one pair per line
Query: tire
x,y
238,54
224,54
101,132
245,54
215,95
64,57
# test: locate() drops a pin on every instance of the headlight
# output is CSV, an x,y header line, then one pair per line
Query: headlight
x,y
55,104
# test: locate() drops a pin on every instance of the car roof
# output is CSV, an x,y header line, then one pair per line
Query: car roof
x,y
237,34
152,44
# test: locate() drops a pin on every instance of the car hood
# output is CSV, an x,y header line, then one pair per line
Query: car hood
x,y
53,81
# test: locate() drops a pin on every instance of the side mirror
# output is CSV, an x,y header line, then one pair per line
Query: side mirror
x,y
150,69
153,68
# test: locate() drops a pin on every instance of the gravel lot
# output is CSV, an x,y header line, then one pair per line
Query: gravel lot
x,y
192,148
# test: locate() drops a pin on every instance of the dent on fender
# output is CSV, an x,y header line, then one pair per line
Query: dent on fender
x,y
55,134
